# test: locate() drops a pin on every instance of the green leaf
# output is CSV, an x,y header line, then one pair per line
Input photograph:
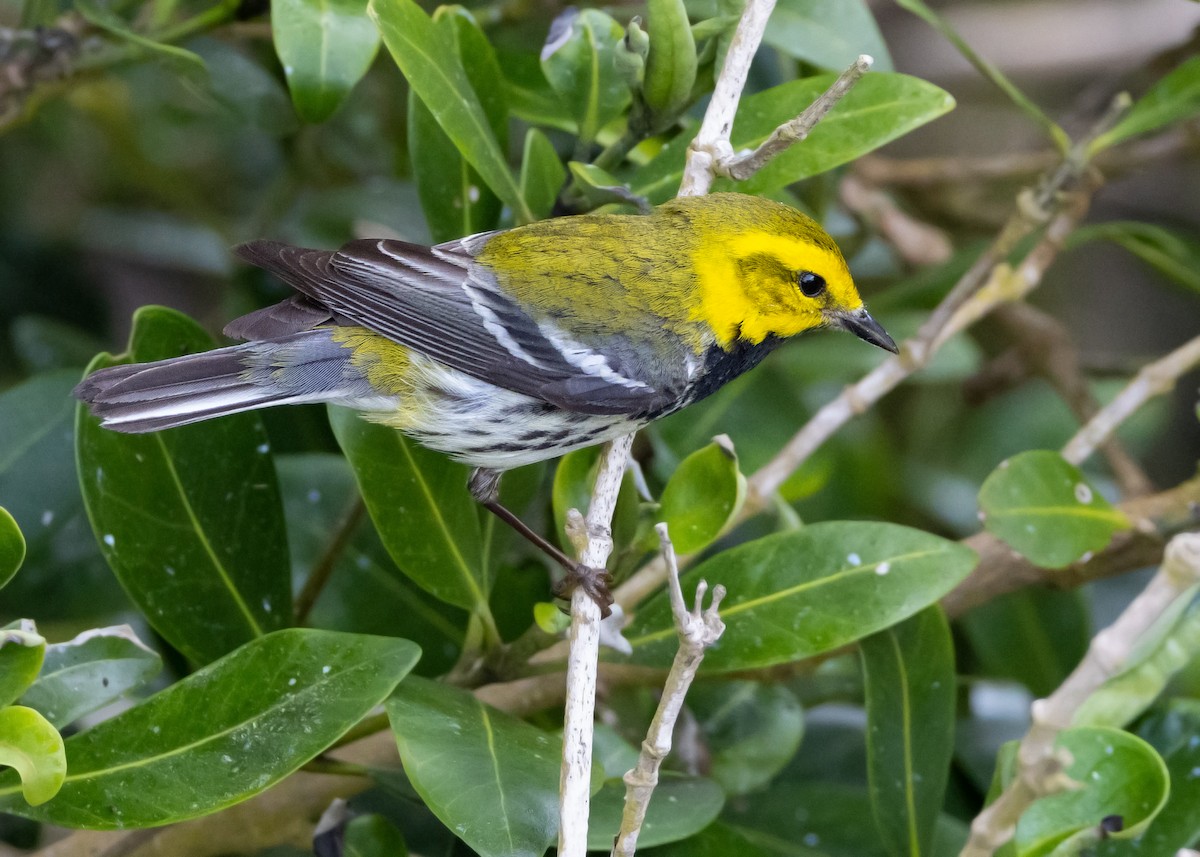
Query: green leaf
x,y
40,487
454,197
881,107
89,672
226,732
419,502
1177,824
813,818
830,34
432,68
12,547
910,691
572,489
373,836
365,593
542,173
704,494
1034,636
578,61
1120,774
681,807
1174,253
1173,99
671,64
751,730
22,649
325,46
182,61
722,840
189,519
489,777
1043,508
800,593
34,750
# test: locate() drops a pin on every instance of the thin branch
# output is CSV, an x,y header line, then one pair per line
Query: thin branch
x,y
1041,767
712,140
698,629
595,545
1154,380
743,167
1045,345
323,568
918,244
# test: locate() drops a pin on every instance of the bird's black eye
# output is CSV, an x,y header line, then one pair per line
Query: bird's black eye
x,y
810,284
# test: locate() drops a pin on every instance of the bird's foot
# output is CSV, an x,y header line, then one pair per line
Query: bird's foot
x,y
593,581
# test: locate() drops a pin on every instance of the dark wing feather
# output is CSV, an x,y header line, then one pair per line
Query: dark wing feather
x,y
439,303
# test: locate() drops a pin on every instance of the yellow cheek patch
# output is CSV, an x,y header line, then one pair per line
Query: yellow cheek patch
x,y
731,303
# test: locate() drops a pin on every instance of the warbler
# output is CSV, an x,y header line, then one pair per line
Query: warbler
x,y
510,347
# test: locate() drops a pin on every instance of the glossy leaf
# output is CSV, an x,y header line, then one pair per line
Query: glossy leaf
x,y
822,818
1177,825
751,730
489,777
1043,508
1120,775
366,593
12,547
229,730
34,750
22,650
880,108
1174,253
189,519
721,840
542,173
90,671
681,806
454,197
432,68
829,34
419,502
1173,99
910,695
325,46
1034,636
40,487
796,594
578,61
703,495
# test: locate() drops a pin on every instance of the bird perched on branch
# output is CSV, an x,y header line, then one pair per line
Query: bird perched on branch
x,y
510,347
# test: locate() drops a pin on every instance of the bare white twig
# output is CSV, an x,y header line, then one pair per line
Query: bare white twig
x,y
741,167
712,140
1155,379
593,539
698,629
1041,767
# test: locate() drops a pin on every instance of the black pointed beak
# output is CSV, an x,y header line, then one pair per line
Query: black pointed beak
x,y
866,328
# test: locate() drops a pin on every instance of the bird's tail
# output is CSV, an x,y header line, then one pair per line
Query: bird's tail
x,y
144,397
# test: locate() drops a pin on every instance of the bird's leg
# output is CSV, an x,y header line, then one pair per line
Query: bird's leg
x,y
484,486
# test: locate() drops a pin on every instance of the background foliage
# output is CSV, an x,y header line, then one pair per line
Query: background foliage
x,y
202,612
